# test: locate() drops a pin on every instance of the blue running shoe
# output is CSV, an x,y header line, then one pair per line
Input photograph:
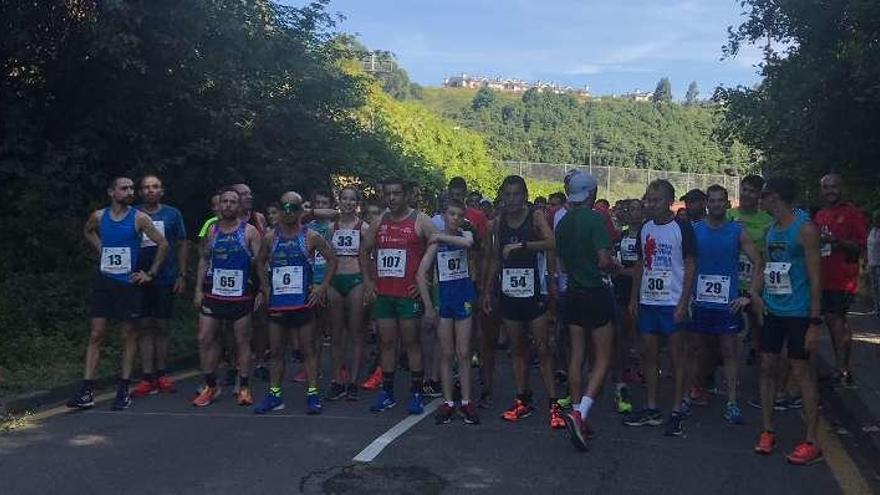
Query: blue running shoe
x,y
314,405
122,401
383,401
270,402
732,414
415,404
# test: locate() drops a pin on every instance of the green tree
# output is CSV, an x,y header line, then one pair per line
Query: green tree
x,y
485,97
692,93
663,91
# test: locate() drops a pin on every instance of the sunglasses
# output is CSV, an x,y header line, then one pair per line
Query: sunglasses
x,y
291,208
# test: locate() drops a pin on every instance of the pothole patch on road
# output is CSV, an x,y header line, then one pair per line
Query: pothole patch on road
x,y
367,479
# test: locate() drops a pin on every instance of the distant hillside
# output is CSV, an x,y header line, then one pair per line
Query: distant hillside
x,y
545,127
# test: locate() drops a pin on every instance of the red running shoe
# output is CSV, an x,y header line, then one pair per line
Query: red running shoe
x,y
556,421
766,444
519,410
699,396
804,454
144,388
166,385
374,381
301,376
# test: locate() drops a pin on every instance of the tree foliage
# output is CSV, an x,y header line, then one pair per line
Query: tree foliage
x,y
818,105
663,91
693,92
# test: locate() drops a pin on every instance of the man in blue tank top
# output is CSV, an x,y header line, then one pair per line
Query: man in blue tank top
x,y
792,296
292,297
115,232
717,304
159,294
225,292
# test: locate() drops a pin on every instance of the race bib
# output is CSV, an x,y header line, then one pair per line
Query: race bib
x,y
452,265
391,263
656,287
346,242
287,280
628,250
115,260
227,283
825,249
319,259
146,241
518,282
744,268
777,278
713,289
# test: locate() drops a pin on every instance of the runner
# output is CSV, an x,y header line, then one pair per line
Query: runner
x,y
792,297
292,297
449,251
520,235
755,222
662,286
159,294
629,213
398,243
225,292
115,232
844,231
246,210
583,247
346,297
215,215
695,205
717,300
273,214
373,209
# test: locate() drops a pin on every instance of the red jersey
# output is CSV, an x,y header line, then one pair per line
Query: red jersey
x,y
845,222
479,221
399,250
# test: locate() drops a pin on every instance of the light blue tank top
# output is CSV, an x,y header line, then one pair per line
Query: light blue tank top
x,y
786,286
290,273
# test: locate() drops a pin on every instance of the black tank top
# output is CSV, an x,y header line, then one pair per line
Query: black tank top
x,y
525,232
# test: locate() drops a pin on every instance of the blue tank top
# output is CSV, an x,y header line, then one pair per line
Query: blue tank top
x,y
120,245
290,273
717,283
455,284
786,286
228,274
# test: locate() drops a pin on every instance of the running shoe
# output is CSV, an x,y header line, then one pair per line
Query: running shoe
x,y
313,404
383,402
795,402
469,414
766,443
577,430
564,402
431,389
444,414
166,385
556,421
84,399
733,414
374,381
122,400
261,373
804,454
485,401
415,404
754,402
699,396
674,427
351,392
145,388
645,417
475,360
845,380
270,402
244,397
622,401
337,391
685,409
301,376
519,410
206,396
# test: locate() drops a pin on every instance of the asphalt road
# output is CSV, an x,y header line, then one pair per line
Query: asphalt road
x,y
164,445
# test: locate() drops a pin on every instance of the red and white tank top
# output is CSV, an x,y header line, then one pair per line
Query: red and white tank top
x,y
399,250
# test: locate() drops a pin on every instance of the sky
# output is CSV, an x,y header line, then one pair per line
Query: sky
x,y
612,47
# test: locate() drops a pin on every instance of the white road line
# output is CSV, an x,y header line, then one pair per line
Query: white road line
x,y
378,445
208,414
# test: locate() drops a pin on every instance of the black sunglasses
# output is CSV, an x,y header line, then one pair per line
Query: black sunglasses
x,y
291,207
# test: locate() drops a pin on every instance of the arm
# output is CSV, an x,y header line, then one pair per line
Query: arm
x,y
687,289
182,260
254,242
747,246
637,270
204,252
319,244
263,265
490,266
90,230
466,240
319,214
365,258
809,239
145,226
425,269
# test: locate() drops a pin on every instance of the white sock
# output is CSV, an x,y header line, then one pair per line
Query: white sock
x,y
620,385
450,403
585,405
465,402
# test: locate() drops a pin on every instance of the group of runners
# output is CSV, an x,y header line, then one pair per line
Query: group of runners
x,y
577,287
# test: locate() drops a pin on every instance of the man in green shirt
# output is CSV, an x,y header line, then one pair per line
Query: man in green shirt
x,y
755,221
215,208
584,251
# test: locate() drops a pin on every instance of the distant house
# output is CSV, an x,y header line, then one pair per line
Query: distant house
x,y
510,85
638,95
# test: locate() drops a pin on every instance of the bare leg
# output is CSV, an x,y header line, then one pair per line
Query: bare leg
x,y
409,329
577,352
388,344
445,334
541,332
147,343
603,342
354,304
769,372
463,347
729,348
276,353
841,337
803,372
677,351
336,317
129,348
650,345
519,347
208,349
309,342
93,351
242,328
160,339
489,329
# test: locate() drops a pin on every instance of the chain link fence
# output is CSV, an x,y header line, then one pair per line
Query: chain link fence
x,y
616,183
